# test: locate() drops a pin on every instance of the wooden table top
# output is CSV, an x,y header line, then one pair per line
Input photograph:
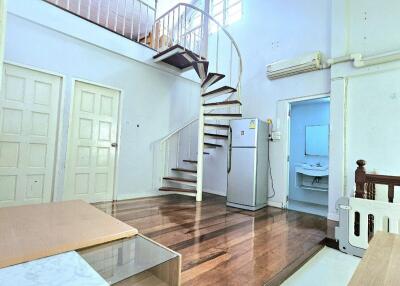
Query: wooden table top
x,y
34,231
381,262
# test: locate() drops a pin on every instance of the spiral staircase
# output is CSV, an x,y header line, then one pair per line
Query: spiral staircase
x,y
185,46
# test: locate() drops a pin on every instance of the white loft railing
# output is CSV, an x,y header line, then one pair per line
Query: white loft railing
x,y
184,25
195,30
132,19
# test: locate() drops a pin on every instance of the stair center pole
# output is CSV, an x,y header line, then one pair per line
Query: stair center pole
x,y
200,150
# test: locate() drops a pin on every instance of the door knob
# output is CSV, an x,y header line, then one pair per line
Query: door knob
x,y
115,145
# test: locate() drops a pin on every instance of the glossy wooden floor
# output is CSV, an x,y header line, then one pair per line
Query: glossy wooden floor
x,y
222,245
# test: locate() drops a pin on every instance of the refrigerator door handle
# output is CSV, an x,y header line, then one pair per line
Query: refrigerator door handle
x,y
230,150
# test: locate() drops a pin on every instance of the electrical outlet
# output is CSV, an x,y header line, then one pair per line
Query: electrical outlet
x,y
276,135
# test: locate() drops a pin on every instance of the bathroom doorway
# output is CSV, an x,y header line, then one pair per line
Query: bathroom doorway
x,y
309,156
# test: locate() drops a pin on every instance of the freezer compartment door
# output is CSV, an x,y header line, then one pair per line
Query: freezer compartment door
x,y
242,176
244,132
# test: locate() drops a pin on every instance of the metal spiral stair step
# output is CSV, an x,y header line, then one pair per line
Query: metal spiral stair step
x,y
179,179
211,145
211,79
216,136
228,102
201,68
219,91
223,115
216,126
184,170
177,56
177,190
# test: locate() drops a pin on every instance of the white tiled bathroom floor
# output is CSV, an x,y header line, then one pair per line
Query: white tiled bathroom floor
x,y
329,267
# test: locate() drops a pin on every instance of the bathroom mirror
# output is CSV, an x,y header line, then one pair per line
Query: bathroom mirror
x,y
317,140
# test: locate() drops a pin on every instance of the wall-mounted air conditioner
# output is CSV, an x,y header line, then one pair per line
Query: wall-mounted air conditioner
x,y
306,63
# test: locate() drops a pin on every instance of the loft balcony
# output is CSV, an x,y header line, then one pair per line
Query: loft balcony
x,y
132,19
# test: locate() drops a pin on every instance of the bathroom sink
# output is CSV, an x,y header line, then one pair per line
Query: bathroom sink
x,y
312,170
314,167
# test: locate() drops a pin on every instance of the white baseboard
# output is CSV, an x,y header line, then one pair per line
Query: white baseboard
x,y
333,216
215,192
274,204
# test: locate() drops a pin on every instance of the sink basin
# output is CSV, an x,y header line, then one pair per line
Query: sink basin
x,y
312,170
314,167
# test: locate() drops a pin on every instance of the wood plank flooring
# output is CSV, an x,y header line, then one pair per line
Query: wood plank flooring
x,y
222,245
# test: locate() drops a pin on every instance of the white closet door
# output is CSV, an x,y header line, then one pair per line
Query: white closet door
x,y
92,143
29,103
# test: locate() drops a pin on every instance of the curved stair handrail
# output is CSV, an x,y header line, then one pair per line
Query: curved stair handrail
x,y
184,36
219,26
176,131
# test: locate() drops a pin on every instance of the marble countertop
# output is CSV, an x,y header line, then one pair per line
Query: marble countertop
x,y
66,269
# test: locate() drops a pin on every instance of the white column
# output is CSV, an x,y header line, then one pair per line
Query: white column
x,y
200,150
204,36
337,150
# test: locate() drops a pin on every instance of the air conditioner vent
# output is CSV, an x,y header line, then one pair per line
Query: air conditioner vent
x,y
284,68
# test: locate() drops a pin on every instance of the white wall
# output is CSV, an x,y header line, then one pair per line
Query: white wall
x,y
154,101
373,124
271,31
370,96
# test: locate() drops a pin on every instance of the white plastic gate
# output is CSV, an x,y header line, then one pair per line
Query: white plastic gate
x,y
386,217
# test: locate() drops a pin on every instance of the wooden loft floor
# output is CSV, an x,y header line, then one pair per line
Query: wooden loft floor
x,y
222,245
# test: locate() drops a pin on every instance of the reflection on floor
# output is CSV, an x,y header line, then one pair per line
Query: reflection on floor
x,y
222,245
331,266
308,207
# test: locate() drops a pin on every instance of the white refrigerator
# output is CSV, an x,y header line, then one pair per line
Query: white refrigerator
x,y
248,164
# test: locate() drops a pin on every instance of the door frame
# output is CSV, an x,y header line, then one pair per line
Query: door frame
x,y
74,80
60,129
285,139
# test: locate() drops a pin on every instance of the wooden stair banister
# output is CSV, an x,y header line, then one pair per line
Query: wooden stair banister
x,y
360,179
366,189
365,183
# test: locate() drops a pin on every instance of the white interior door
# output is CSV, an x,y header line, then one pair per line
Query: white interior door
x,y
92,142
3,14
29,103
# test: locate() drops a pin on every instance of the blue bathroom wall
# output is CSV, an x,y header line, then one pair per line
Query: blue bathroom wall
x,y
305,113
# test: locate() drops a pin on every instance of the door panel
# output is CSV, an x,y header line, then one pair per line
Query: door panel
x,y
28,129
241,179
91,157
